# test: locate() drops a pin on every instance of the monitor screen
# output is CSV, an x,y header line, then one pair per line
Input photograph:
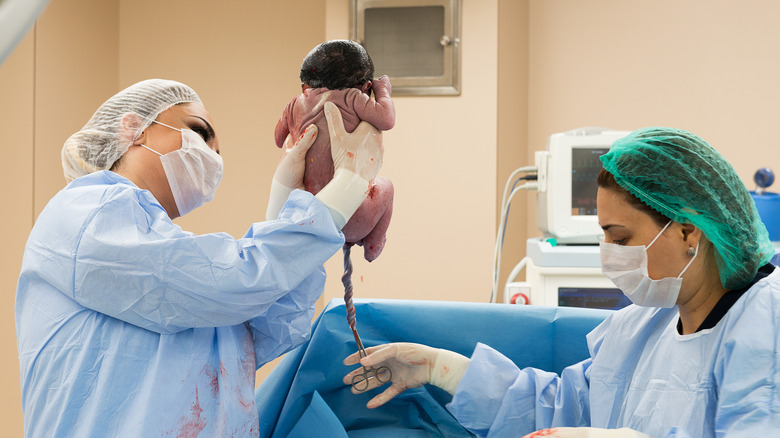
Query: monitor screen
x,y
585,167
592,298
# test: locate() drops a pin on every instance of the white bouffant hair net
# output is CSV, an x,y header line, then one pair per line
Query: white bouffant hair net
x,y
118,122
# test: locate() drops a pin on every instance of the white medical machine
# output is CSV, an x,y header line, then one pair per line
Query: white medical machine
x,y
567,172
564,275
563,268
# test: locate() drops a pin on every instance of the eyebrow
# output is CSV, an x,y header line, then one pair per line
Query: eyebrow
x,y
608,226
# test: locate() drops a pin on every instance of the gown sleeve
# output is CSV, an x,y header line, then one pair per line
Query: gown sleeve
x,y
287,323
747,368
167,281
496,398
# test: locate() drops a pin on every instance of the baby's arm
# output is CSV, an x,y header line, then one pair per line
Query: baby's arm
x,y
380,111
282,128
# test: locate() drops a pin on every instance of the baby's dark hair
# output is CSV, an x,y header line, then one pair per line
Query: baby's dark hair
x,y
336,65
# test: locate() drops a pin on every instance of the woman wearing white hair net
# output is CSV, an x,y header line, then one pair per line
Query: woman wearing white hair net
x,y
129,326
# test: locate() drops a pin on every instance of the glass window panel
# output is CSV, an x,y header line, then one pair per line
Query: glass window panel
x,y
404,41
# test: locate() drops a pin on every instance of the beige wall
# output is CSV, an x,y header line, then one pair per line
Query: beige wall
x,y
706,66
512,128
16,176
441,157
530,68
49,87
243,59
75,71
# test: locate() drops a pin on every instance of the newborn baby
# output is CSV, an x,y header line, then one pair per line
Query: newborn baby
x,y
340,71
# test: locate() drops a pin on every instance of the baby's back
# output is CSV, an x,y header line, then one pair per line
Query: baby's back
x,y
368,225
306,109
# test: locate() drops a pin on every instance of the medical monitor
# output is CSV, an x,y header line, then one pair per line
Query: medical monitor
x,y
567,172
592,298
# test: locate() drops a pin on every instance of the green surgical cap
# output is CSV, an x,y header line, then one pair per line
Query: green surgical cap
x,y
681,176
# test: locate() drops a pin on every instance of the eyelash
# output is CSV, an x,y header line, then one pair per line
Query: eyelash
x,y
619,241
203,132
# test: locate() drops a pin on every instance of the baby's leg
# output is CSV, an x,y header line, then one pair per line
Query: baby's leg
x,y
374,242
369,224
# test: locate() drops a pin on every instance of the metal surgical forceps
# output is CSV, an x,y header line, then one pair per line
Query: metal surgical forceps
x,y
381,374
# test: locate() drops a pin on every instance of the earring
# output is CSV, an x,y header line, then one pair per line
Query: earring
x,y
691,251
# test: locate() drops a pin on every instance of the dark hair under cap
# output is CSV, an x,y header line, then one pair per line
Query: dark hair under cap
x,y
336,65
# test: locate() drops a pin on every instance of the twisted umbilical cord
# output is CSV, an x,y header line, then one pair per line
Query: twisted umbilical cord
x,y
346,280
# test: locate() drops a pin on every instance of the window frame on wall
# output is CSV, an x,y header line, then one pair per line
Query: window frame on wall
x,y
448,82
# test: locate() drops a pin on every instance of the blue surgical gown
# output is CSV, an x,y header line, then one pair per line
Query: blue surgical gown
x,y
644,375
129,326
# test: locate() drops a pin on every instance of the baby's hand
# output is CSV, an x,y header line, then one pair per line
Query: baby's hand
x,y
382,86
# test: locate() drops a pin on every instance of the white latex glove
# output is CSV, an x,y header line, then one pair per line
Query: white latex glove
x,y
357,158
586,432
360,152
289,172
412,366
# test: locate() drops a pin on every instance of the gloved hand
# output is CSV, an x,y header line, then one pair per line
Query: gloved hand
x,y
586,432
360,152
357,158
291,167
289,172
412,366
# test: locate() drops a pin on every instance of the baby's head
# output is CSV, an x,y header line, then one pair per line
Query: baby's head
x,y
336,65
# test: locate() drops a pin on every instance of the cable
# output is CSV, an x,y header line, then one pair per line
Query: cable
x,y
505,204
526,178
500,237
526,169
516,270
502,223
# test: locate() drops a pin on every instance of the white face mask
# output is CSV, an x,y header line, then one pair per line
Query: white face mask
x,y
626,266
194,171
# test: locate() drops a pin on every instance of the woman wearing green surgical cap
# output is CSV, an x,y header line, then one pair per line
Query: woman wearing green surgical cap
x,y
698,355
129,326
